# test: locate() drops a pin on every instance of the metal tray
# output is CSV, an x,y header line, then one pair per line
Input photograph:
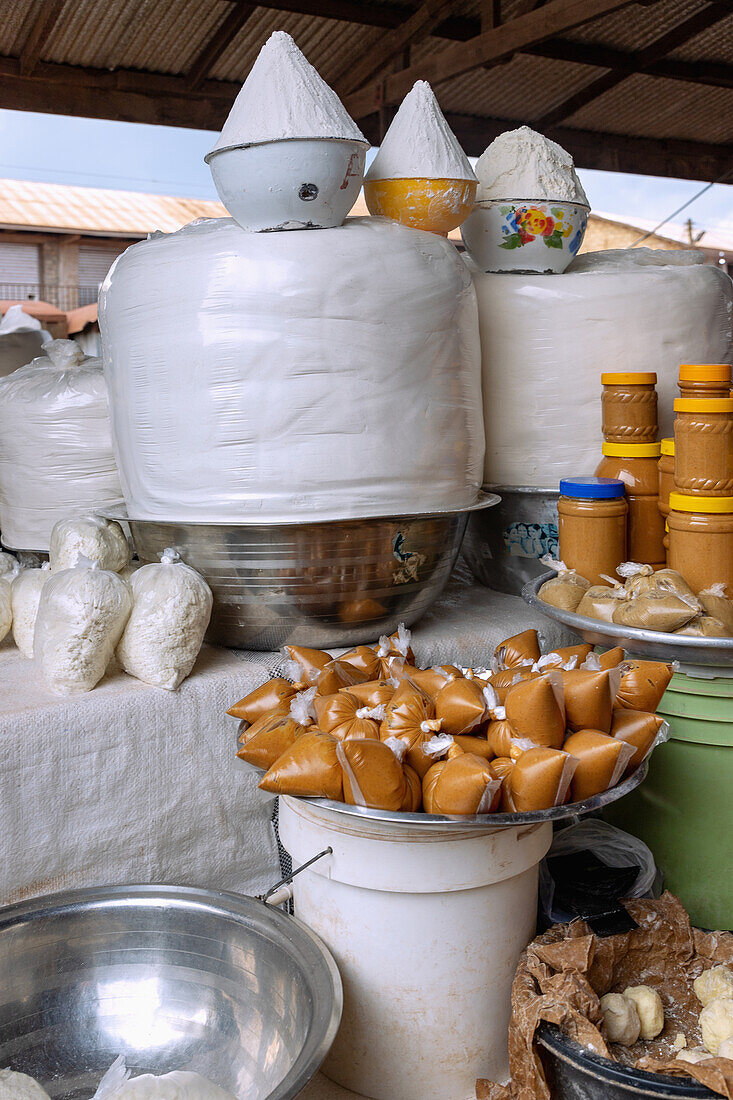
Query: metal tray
x,y
694,652
437,822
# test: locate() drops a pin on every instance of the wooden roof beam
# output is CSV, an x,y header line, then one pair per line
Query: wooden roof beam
x,y
714,73
220,40
686,29
391,45
494,45
47,13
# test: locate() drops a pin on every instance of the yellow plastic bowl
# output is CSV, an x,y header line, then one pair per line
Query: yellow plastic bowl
x,y
432,204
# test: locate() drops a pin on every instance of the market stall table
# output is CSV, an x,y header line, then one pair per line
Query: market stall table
x,y
129,783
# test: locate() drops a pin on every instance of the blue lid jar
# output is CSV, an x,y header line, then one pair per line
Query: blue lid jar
x,y
592,488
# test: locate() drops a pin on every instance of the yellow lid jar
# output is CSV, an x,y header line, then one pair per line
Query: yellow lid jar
x,y
705,380
629,404
637,465
665,468
703,436
701,539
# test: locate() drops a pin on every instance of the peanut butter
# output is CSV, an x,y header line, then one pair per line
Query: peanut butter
x,y
264,742
263,699
518,650
460,705
703,433
602,760
592,516
637,728
372,775
705,380
462,784
635,464
665,471
534,709
629,405
589,698
701,539
643,684
308,769
540,779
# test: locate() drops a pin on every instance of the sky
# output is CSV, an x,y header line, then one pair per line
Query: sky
x,y
169,160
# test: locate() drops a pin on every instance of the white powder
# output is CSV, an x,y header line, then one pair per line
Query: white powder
x,y
284,97
420,143
522,164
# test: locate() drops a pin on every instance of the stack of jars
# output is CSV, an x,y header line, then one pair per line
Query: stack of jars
x,y
700,516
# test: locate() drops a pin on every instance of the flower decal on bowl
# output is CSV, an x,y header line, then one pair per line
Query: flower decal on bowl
x,y
524,224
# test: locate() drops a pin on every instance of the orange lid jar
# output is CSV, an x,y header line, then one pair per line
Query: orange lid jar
x,y
629,405
701,539
636,464
703,435
592,514
665,468
705,380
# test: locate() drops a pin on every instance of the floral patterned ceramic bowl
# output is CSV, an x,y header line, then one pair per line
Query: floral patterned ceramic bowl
x,y
524,235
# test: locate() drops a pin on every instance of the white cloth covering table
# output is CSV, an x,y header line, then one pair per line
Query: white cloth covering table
x,y
129,783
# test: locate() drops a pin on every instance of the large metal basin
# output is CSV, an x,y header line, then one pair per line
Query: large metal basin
x,y
171,977
503,547
329,584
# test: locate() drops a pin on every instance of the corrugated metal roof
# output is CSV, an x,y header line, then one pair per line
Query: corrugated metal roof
x,y
55,206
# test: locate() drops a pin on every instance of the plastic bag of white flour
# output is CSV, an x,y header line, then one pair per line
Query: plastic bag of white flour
x,y
26,595
81,615
170,614
100,540
6,607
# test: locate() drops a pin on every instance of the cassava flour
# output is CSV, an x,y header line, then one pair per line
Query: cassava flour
x,y
284,97
171,609
26,595
420,143
522,164
91,537
81,615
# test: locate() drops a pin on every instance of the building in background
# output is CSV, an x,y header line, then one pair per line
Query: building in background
x,y
58,242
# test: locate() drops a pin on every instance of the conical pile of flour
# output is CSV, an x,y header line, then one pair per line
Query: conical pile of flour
x,y
420,143
284,97
524,164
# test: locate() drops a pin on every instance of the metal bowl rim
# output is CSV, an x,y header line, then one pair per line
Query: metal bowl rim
x,y
400,819
483,500
225,904
702,651
553,1039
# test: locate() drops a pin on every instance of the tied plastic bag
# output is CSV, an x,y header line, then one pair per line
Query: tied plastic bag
x,y
264,742
601,602
536,710
461,706
656,610
602,761
303,665
373,774
704,626
643,683
610,845
6,607
642,578
91,537
26,591
566,590
505,679
365,660
372,693
81,616
461,784
263,699
396,645
308,769
568,653
343,715
540,779
335,676
520,649
641,730
411,717
612,658
589,698
716,604
432,680
171,608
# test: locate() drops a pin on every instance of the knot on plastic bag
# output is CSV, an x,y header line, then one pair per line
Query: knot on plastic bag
x,y
64,354
634,569
384,646
717,589
431,725
169,556
592,663
378,713
491,698
398,747
550,660
553,563
437,746
113,1080
302,709
403,639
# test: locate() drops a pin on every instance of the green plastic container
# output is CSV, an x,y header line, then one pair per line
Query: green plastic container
x,y
684,808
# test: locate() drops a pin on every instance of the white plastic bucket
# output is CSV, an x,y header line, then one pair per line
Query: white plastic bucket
x,y
426,928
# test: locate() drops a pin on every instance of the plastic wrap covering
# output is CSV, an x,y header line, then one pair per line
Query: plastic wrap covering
x,y
55,446
546,339
272,376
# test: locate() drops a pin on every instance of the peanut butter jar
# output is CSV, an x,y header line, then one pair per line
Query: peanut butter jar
x,y
592,512
703,440
701,539
636,465
629,405
705,380
665,470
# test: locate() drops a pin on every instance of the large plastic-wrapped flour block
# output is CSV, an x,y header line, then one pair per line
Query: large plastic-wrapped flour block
x,y
546,339
56,456
284,376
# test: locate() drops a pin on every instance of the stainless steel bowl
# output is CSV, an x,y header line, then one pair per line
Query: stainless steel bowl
x,y
503,547
326,584
171,977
